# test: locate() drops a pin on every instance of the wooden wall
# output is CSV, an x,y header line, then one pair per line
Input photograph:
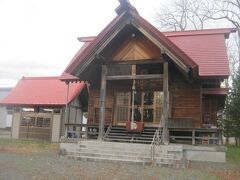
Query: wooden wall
x,y
185,99
136,47
93,106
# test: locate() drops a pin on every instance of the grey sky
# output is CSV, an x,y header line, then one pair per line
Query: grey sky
x,y
39,37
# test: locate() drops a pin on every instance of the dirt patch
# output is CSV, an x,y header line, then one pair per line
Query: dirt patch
x,y
40,160
229,171
49,165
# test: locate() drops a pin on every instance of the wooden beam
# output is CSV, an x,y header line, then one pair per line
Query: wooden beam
x,y
130,77
67,109
201,105
165,134
142,61
134,69
102,102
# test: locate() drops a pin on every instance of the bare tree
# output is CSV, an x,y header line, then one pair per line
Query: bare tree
x,y
233,54
182,15
198,15
230,11
173,17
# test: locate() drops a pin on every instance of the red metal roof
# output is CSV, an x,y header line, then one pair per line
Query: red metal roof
x,y
176,50
42,91
205,47
68,77
225,31
80,58
202,50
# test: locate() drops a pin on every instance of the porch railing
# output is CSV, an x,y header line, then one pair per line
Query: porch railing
x,y
108,129
156,141
85,131
80,131
196,136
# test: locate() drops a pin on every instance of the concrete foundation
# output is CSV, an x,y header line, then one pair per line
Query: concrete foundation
x,y
205,153
190,153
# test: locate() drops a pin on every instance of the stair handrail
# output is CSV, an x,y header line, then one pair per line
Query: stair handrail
x,y
108,129
155,142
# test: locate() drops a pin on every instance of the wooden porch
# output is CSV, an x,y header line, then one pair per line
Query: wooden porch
x,y
178,135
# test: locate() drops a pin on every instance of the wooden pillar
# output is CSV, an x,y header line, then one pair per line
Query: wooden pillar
x,y
102,102
133,91
193,137
66,111
165,134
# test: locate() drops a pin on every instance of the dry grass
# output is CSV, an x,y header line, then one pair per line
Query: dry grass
x,y
27,146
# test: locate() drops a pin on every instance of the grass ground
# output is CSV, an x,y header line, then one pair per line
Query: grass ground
x,y
27,146
233,154
39,160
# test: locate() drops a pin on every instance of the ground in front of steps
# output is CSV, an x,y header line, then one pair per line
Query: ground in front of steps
x,y
45,163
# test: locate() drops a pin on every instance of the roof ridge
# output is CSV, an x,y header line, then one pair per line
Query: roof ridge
x,y
40,77
200,32
177,33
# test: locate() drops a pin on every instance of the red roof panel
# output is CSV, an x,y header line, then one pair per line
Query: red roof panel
x,y
207,50
225,31
176,50
80,58
42,91
201,51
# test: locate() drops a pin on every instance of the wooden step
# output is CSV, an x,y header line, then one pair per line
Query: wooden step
x,y
128,140
119,134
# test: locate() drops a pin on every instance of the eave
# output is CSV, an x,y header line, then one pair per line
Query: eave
x,y
185,63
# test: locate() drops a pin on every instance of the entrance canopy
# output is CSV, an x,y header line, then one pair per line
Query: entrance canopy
x,y
42,91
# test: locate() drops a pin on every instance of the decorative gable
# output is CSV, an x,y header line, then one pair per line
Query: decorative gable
x,y
136,47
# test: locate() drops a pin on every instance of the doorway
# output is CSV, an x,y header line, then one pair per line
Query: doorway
x,y
148,106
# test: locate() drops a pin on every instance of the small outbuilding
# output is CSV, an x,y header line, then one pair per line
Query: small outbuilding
x,y
5,113
43,107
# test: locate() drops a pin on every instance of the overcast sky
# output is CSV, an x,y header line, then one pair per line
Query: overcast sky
x,y
39,37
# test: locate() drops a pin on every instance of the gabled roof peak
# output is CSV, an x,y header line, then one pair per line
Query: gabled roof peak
x,y
125,6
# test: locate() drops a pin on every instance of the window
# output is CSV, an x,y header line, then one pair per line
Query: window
x,y
35,121
43,122
28,121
